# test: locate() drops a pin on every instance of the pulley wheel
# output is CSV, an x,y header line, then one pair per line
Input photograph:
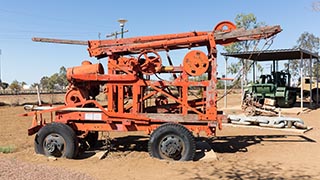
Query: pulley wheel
x,y
74,96
195,63
150,62
161,100
225,26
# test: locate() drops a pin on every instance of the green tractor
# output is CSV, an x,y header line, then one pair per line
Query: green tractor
x,y
270,91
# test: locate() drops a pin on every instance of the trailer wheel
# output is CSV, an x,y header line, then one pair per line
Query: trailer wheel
x,y
56,139
172,141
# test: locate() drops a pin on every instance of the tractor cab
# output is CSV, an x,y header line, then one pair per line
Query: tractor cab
x,y
281,78
277,78
274,86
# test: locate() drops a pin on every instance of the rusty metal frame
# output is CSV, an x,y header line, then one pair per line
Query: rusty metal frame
x,y
127,74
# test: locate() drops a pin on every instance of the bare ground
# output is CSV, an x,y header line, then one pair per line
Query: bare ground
x,y
243,153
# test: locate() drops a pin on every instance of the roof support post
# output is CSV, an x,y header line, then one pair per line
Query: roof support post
x,y
273,66
311,81
225,81
301,76
317,79
242,80
274,70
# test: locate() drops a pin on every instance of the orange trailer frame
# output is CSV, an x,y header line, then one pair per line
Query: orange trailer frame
x,y
129,89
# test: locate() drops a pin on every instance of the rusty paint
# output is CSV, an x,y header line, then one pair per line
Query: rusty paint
x,y
133,96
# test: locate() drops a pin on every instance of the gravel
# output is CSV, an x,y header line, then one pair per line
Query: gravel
x,y
14,169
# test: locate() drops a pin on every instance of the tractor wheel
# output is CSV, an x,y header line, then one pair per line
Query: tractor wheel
x,y
314,96
92,138
281,103
292,99
250,111
58,140
173,142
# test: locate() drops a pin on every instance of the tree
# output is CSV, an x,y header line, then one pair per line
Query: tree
x,y
23,83
246,21
34,85
316,6
57,81
16,86
307,41
62,79
44,83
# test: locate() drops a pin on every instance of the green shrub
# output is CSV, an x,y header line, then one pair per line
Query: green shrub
x,y
6,149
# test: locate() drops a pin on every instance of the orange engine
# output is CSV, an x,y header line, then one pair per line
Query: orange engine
x,y
79,91
86,68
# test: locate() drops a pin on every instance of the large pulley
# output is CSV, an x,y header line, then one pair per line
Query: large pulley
x,y
150,62
75,95
195,63
225,26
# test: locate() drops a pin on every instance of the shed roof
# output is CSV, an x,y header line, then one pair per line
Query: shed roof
x,y
277,54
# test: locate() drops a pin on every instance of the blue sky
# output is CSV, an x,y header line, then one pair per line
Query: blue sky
x,y
28,61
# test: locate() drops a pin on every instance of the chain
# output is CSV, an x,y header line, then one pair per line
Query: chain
x,y
269,42
107,145
263,121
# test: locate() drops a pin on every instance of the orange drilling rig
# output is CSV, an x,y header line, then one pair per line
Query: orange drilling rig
x,y
164,109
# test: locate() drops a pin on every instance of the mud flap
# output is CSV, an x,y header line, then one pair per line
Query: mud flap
x,y
34,129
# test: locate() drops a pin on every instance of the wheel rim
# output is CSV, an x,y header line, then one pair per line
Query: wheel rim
x,y
249,111
171,147
54,145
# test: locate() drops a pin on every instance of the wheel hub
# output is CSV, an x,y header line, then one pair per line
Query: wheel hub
x,y
51,147
54,144
171,146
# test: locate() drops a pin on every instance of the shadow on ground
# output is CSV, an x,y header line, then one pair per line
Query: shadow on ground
x,y
119,144
221,144
240,170
232,144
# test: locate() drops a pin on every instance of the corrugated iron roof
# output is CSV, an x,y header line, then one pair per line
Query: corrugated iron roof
x,y
277,54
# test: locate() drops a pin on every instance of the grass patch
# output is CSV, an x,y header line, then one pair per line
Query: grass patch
x,y
6,149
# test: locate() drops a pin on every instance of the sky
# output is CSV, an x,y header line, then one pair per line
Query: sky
x,y
28,61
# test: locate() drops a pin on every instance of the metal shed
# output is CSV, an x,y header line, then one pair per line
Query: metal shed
x,y
278,55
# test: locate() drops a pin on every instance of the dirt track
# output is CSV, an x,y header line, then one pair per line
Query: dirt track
x,y
243,153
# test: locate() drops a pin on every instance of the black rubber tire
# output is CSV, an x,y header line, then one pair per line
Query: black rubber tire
x,y
62,132
314,96
171,133
292,99
92,138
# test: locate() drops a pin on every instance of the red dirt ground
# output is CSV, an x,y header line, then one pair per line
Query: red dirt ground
x,y
242,152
